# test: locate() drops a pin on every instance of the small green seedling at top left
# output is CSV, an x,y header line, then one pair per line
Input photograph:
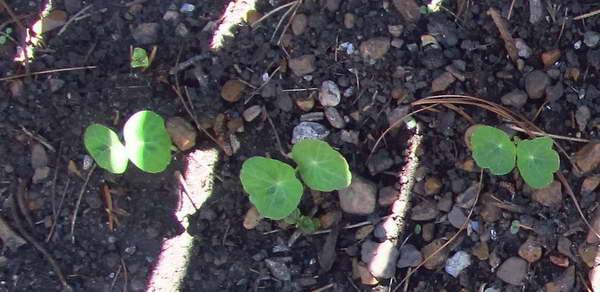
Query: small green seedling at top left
x,y
147,144
139,58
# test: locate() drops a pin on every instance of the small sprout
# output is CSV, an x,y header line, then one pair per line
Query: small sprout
x,y
308,224
273,186
493,149
537,161
139,58
147,144
515,226
418,229
321,167
5,36
3,40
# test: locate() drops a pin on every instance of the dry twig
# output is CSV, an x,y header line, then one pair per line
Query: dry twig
x,y
83,188
47,72
502,25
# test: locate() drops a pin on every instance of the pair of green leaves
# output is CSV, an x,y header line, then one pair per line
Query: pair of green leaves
x,y
147,144
5,36
536,160
273,186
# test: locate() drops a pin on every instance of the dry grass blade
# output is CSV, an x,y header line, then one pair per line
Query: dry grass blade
x,y
502,25
462,227
586,15
47,72
273,12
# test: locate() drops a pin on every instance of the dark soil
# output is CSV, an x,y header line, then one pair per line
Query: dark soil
x,y
227,257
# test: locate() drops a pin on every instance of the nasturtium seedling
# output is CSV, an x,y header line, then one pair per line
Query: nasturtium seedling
x,y
139,58
147,142
272,185
321,167
307,224
493,149
104,146
537,161
515,225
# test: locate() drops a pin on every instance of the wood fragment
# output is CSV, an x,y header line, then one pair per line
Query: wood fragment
x,y
109,206
503,27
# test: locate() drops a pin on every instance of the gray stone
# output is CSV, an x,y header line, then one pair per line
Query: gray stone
x,y
359,198
279,270
374,48
516,98
457,263
146,33
55,84
302,65
39,158
513,271
299,24
335,118
329,95
536,83
457,217
380,258
410,256
252,113
591,38
309,130
582,116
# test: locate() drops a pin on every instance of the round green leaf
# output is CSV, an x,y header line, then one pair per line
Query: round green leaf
x,y
321,167
147,142
104,146
273,186
537,161
139,58
493,149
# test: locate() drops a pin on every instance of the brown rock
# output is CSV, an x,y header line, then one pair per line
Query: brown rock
x,y
328,219
433,185
445,203
374,48
363,232
490,213
387,196
467,198
181,132
564,247
299,24
302,65
438,259
587,253
442,82
366,278
253,16
550,57
591,236
590,183
587,158
252,218
232,90
409,9
560,261
481,251
306,104
428,231
359,198
424,211
531,250
564,283
550,196
512,271
54,20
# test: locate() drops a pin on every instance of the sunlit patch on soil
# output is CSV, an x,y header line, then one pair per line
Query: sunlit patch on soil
x,y
235,13
195,186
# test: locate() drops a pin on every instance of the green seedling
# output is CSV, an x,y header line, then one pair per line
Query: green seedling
x,y
515,225
307,224
432,7
274,187
147,144
5,36
536,160
139,58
